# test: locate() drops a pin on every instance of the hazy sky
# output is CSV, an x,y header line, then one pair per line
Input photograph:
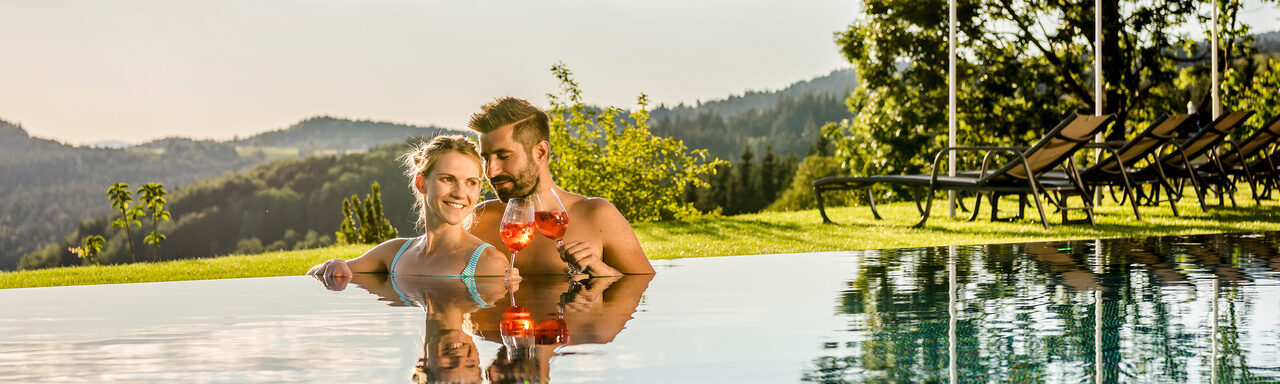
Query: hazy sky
x,y
86,71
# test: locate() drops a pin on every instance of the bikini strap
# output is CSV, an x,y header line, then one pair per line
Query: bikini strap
x,y
470,270
392,269
470,282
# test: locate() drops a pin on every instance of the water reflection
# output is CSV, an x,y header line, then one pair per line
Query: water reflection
x,y
1174,309
531,322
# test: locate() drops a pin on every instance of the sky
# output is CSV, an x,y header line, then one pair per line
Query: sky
x,y
135,70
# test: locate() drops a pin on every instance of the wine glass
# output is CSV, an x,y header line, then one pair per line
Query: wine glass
x,y
552,220
517,226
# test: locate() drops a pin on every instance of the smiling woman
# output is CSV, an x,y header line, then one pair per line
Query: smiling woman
x,y
446,181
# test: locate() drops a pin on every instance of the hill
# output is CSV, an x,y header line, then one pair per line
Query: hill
x,y
330,133
50,187
286,204
788,120
837,83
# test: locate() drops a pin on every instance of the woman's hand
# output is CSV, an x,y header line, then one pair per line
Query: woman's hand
x,y
512,275
335,274
331,268
585,258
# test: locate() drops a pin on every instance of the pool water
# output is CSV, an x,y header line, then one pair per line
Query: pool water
x,y
1197,309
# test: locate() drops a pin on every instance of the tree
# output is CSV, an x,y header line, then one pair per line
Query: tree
x,y
769,174
151,196
363,222
597,153
120,197
89,249
1021,65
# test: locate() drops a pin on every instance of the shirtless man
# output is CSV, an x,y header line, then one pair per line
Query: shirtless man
x,y
514,142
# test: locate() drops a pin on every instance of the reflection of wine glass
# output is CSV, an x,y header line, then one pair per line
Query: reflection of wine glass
x,y
517,329
517,226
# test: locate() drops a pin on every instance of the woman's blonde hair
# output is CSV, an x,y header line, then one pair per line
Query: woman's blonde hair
x,y
420,160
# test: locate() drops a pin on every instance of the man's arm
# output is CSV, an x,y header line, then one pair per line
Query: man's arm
x,y
620,249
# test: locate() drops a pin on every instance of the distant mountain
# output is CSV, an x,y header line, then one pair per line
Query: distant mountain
x,y
324,132
837,83
787,121
1267,42
50,187
109,144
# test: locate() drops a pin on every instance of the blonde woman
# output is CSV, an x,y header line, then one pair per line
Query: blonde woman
x,y
445,176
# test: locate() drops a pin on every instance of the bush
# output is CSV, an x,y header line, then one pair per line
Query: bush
x,y
641,174
800,194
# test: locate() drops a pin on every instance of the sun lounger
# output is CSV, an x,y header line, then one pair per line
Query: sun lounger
x,y
1018,176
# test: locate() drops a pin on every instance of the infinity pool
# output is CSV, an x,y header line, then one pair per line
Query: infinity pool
x,y
1193,309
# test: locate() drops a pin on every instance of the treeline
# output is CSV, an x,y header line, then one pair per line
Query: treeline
x,y
789,126
757,182
838,83
288,204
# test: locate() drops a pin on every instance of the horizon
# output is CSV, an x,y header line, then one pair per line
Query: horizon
x,y
83,72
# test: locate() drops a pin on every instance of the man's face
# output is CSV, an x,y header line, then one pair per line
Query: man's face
x,y
511,170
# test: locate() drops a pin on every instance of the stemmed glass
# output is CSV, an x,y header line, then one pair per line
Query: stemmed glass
x,y
552,220
517,226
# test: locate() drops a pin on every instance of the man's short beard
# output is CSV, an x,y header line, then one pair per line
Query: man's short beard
x,y
523,186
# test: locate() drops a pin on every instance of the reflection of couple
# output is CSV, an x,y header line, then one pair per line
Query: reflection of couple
x,y
461,238
593,311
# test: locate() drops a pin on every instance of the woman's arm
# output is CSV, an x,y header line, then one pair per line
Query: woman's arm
x,y
376,260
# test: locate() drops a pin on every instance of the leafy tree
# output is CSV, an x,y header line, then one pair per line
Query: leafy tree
x,y
598,154
1022,64
363,222
151,196
121,197
89,249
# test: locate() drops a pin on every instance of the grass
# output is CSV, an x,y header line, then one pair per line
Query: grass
x,y
282,263
764,233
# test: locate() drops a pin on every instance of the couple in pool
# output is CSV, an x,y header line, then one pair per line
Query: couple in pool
x,y
461,237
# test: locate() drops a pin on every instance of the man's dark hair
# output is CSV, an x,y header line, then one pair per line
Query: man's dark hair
x,y
531,124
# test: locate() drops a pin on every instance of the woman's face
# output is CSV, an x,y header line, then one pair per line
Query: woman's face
x,y
457,360
451,188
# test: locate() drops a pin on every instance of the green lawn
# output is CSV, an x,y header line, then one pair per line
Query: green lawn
x,y
765,233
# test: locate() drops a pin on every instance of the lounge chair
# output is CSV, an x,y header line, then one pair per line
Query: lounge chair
x,y
1199,150
1018,176
1247,159
1116,168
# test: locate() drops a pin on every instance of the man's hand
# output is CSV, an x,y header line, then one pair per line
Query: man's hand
x,y
585,293
586,258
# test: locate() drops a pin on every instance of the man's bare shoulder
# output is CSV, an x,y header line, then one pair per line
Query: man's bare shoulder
x,y
598,208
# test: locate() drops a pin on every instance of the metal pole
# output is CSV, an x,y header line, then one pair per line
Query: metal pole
x,y
1097,84
1097,60
1217,104
951,104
